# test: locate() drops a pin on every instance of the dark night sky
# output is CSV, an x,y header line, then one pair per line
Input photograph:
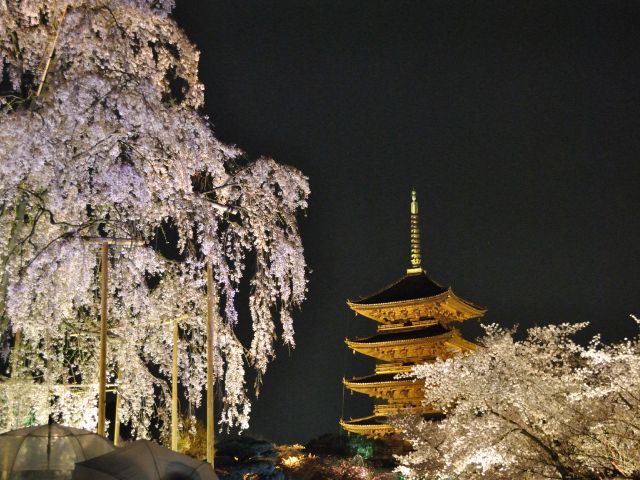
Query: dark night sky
x,y
517,122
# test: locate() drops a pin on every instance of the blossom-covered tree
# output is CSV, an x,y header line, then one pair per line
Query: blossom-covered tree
x,y
544,407
100,136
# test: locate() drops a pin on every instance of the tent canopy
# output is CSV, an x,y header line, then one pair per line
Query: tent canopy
x,y
47,451
143,460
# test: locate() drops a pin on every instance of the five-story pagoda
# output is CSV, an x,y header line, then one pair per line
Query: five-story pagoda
x,y
414,317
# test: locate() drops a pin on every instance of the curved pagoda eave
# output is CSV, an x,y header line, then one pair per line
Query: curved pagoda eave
x,y
414,350
401,390
369,426
415,297
446,306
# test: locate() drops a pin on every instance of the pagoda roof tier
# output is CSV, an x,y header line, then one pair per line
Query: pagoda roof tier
x,y
385,386
373,426
376,426
415,297
409,287
414,346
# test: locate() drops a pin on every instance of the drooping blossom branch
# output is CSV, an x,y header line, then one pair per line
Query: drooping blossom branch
x,y
105,139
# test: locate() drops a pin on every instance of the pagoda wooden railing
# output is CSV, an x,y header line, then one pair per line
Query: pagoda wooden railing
x,y
395,409
414,325
393,368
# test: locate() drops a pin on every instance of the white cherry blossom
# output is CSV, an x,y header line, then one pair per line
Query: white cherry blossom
x,y
542,407
101,135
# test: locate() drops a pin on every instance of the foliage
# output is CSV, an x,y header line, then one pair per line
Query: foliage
x,y
100,135
246,457
292,457
333,468
330,444
314,463
192,439
543,407
361,446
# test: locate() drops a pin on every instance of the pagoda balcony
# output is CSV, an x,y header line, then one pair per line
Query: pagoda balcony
x,y
405,325
400,409
393,368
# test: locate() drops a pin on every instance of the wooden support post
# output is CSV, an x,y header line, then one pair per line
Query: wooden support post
x,y
116,420
17,344
104,243
174,389
52,51
102,368
210,343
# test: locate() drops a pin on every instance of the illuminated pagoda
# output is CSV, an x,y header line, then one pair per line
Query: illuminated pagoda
x,y
414,316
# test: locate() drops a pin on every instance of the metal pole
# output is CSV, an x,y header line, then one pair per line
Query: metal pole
x,y
210,333
174,390
102,380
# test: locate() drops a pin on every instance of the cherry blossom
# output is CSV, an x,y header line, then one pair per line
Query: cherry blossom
x,y
101,136
542,407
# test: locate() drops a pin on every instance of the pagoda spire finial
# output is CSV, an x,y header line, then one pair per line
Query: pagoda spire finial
x,y
416,256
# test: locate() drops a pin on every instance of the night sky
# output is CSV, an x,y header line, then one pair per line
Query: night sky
x,y
517,122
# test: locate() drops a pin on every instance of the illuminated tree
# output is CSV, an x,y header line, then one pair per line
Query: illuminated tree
x,y
544,407
100,135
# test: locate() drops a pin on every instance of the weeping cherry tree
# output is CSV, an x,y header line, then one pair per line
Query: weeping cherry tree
x,y
101,136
